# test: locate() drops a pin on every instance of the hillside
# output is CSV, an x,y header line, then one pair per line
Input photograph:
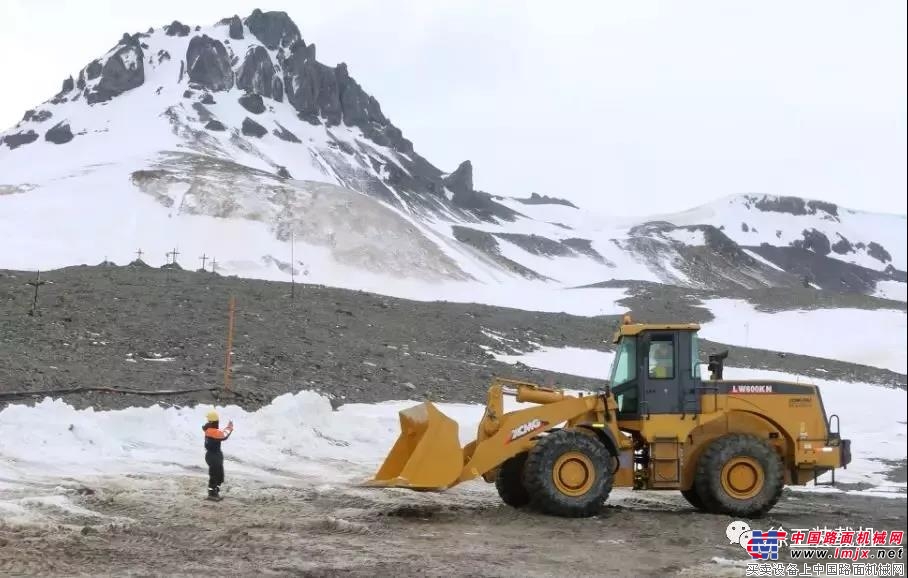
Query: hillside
x,y
234,141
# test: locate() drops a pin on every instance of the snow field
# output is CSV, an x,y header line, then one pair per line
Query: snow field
x,y
878,338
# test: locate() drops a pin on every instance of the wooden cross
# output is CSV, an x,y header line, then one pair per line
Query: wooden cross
x,y
36,283
203,258
139,254
214,264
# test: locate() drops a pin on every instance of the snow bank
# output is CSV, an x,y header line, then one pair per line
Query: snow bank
x,y
296,436
876,338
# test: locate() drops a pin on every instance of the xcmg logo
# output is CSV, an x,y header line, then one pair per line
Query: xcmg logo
x,y
527,428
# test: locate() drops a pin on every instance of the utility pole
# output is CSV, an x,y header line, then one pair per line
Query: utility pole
x,y
292,271
231,312
214,265
36,283
203,258
175,253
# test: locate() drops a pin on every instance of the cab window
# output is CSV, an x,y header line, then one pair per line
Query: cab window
x,y
624,372
624,367
661,356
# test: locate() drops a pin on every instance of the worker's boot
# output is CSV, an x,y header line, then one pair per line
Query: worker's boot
x,y
214,492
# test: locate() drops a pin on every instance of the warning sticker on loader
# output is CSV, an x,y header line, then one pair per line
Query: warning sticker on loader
x,y
527,428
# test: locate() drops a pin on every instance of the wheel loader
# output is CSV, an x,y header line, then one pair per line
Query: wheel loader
x,y
729,446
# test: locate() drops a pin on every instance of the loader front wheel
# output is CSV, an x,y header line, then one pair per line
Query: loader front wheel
x,y
509,482
739,475
568,474
693,498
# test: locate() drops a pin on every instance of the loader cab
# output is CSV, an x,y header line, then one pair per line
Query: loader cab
x,y
656,370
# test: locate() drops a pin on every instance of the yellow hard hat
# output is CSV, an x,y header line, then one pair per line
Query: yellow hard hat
x,y
212,416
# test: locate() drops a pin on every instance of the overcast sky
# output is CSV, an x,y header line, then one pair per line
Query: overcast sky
x,y
627,107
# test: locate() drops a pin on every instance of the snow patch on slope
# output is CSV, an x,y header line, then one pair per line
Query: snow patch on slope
x,y
877,338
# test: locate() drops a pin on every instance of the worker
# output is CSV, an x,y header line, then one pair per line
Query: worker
x,y
213,456
660,360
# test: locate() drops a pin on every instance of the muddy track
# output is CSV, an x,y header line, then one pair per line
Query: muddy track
x,y
163,526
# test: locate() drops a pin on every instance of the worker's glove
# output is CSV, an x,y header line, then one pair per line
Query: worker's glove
x,y
229,426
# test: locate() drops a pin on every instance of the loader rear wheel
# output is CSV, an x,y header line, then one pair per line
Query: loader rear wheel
x,y
739,475
509,482
568,474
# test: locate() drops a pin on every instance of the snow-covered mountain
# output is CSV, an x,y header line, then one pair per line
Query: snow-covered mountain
x,y
231,140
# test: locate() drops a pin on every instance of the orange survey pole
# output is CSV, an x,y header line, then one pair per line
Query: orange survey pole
x,y
230,316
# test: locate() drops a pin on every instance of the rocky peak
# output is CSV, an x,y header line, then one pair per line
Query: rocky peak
x,y
176,28
236,28
273,29
208,63
461,180
123,71
256,74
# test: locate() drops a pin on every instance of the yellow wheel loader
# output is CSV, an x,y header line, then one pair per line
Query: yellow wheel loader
x,y
728,446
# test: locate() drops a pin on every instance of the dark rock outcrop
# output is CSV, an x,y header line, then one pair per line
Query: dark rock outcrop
x,y
843,246
175,28
273,29
93,70
877,251
585,246
68,84
208,64
59,134
257,72
163,55
252,128
215,125
283,173
253,103
816,206
123,71
236,28
204,114
311,87
207,99
486,243
792,205
20,138
277,89
285,135
813,241
536,244
37,116
461,180
537,199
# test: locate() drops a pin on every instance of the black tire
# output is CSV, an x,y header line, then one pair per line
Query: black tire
x,y
693,498
761,458
590,457
509,482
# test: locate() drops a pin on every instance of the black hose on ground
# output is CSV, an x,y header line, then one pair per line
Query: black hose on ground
x,y
7,395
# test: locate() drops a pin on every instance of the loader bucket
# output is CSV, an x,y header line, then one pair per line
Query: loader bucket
x,y
427,454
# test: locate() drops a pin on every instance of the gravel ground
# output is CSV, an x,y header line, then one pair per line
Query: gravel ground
x,y
152,329
163,527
